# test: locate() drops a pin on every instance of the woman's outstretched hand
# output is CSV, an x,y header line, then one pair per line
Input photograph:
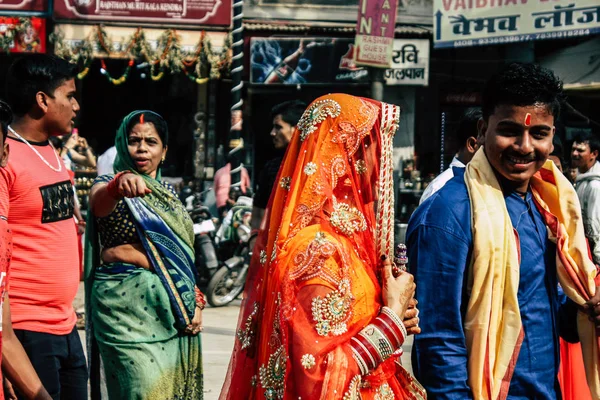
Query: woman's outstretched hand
x,y
132,185
397,292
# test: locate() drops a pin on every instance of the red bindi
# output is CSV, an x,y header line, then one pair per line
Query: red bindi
x,y
527,119
142,118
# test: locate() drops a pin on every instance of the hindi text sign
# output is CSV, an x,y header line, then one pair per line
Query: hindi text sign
x,y
176,12
459,23
375,32
410,63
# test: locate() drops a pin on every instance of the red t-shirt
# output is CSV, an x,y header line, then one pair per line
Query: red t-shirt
x,y
44,267
5,252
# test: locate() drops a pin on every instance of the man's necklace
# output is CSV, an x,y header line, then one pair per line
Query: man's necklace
x,y
22,139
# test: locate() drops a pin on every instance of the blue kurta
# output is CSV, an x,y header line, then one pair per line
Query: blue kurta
x,y
440,242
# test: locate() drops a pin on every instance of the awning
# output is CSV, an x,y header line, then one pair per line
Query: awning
x,y
329,27
120,36
578,66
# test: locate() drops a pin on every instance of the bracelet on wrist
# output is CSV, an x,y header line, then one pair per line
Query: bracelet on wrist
x,y
378,341
200,299
113,186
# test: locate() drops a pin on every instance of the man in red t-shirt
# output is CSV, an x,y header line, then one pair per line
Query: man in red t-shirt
x,y
36,195
14,359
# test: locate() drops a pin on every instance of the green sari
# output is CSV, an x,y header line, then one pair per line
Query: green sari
x,y
136,317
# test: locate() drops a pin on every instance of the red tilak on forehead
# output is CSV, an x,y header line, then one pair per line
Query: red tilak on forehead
x,y
142,118
527,119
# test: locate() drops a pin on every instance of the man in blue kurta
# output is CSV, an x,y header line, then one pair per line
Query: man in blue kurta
x,y
520,105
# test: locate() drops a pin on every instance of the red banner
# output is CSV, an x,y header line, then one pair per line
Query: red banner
x,y
24,5
174,12
29,38
375,32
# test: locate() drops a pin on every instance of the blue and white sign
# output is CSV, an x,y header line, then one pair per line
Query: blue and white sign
x,y
459,23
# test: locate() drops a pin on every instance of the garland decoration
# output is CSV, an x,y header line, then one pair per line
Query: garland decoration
x,y
120,80
12,32
199,65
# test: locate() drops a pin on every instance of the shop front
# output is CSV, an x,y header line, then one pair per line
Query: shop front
x,y
158,55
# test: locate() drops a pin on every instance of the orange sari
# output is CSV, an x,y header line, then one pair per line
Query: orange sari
x,y
571,374
313,283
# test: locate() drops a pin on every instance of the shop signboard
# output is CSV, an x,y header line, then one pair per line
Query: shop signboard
x,y
24,6
375,32
410,63
298,61
170,12
459,23
31,39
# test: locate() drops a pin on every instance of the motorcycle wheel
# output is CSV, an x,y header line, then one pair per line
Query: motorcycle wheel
x,y
221,289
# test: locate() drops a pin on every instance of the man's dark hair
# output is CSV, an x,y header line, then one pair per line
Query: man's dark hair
x,y
5,118
35,73
467,126
523,85
589,138
291,111
151,117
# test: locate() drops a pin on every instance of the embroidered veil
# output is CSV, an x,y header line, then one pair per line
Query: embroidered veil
x,y
313,283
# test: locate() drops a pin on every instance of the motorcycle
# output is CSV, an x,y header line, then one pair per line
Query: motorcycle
x,y
207,260
232,238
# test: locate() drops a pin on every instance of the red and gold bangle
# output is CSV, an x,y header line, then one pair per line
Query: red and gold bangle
x,y
200,299
378,341
113,186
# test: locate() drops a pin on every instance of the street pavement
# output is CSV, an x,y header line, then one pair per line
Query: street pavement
x,y
217,343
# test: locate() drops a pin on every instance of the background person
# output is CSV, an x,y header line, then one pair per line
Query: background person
x,y
36,194
285,117
76,151
584,156
467,133
143,304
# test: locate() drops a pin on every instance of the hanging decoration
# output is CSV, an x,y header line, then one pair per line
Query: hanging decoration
x,y
199,65
22,35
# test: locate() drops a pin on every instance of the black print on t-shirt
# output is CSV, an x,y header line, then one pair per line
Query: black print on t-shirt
x,y
58,202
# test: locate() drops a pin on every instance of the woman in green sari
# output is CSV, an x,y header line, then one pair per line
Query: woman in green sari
x,y
144,309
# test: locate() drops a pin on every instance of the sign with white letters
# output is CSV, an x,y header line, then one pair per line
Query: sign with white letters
x,y
459,23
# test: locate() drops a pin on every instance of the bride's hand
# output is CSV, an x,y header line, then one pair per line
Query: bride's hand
x,y
411,318
397,292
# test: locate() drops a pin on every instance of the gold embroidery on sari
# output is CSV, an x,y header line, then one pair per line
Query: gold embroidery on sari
x,y
316,114
384,392
353,392
308,361
246,336
310,263
332,312
346,219
350,134
272,376
338,169
360,166
310,168
263,257
284,183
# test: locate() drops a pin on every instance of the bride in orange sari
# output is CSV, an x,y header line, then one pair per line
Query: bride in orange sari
x,y
323,316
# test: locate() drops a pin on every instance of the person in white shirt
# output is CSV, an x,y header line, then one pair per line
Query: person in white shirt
x,y
584,156
467,137
106,161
